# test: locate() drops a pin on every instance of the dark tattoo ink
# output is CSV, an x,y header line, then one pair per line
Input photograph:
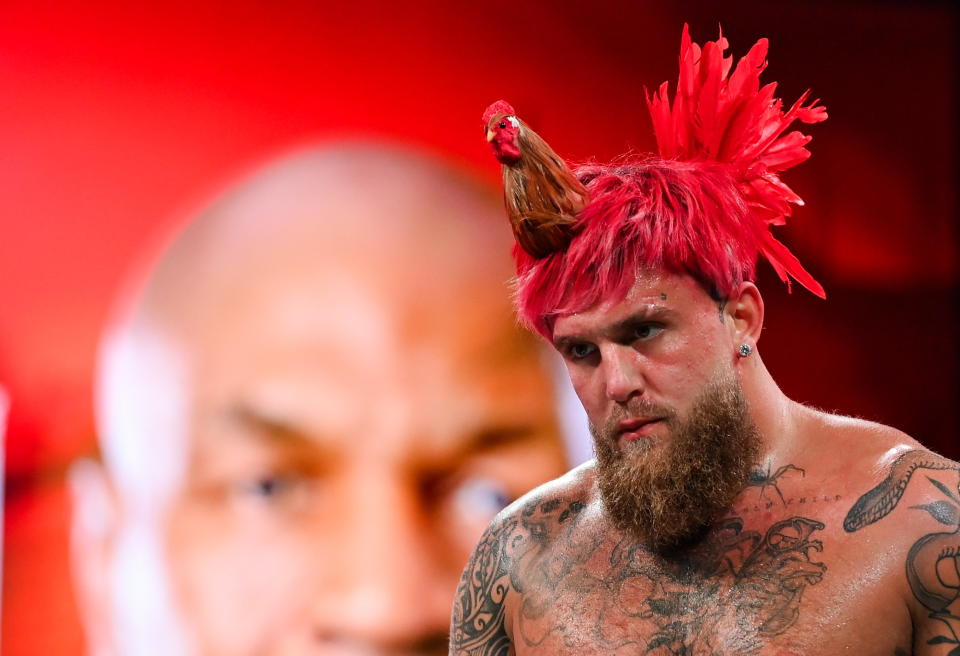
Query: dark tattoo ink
x,y
933,562
763,479
477,623
584,588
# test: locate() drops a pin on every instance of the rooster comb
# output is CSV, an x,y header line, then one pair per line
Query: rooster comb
x,y
499,107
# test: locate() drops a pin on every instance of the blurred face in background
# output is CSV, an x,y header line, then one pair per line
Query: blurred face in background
x,y
318,402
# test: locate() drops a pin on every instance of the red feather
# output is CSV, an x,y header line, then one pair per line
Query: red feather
x,y
703,208
733,120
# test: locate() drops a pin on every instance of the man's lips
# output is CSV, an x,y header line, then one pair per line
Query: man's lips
x,y
637,427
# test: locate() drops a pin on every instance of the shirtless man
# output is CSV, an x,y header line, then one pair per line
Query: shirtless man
x,y
719,517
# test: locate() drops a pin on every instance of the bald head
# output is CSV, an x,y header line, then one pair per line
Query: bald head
x,y
342,254
387,217
309,410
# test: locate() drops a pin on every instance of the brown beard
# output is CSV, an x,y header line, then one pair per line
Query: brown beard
x,y
667,494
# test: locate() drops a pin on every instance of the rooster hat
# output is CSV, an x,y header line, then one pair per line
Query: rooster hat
x,y
704,205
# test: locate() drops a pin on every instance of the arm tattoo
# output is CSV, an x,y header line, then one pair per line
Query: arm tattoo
x,y
933,562
478,612
478,622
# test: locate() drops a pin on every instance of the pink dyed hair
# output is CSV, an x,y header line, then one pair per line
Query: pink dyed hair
x,y
704,207
681,217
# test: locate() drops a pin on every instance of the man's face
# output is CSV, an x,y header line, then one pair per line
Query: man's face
x,y
347,452
673,437
345,444
658,346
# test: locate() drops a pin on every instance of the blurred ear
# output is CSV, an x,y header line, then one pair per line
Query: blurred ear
x,y
745,309
92,531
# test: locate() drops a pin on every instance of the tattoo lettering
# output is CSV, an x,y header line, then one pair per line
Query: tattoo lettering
x,y
933,562
763,479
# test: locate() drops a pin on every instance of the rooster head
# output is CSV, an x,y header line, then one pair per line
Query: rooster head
x,y
503,132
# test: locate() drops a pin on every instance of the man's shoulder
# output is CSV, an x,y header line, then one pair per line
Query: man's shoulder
x,y
857,446
543,514
540,514
578,484
855,427
518,536
893,488
907,506
866,455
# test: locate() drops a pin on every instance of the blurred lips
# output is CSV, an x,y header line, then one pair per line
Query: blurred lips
x,y
637,428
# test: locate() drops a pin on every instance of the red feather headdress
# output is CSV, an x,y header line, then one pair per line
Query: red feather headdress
x,y
704,206
735,121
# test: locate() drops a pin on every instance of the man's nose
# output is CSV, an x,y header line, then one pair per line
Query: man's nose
x,y
622,374
387,588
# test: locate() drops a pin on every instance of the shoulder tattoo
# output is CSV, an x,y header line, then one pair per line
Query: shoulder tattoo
x,y
933,562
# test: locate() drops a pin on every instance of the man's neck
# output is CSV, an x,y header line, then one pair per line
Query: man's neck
x,y
775,416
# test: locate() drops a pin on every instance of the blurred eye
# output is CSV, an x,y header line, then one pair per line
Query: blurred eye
x,y
267,487
481,498
502,125
273,490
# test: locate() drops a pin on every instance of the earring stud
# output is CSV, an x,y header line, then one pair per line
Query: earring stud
x,y
745,350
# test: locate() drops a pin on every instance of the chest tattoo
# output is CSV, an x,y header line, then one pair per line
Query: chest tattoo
x,y
584,590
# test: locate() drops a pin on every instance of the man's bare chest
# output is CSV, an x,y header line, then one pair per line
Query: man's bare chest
x,y
781,584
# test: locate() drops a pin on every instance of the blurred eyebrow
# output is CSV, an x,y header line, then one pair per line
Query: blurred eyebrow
x,y
494,437
263,427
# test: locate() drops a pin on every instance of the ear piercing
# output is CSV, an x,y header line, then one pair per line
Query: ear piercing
x,y
745,350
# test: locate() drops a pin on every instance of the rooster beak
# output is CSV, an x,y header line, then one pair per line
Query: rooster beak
x,y
490,135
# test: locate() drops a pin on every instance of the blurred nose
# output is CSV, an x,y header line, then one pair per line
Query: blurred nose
x,y
387,590
620,367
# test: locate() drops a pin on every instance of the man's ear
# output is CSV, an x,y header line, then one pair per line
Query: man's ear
x,y
93,526
745,310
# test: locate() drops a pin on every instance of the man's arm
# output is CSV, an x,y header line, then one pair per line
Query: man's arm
x,y
932,563
477,626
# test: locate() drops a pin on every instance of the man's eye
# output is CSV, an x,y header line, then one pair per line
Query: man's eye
x,y
581,351
269,488
647,330
481,498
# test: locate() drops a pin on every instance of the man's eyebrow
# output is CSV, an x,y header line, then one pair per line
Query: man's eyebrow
x,y
647,313
262,426
491,437
561,343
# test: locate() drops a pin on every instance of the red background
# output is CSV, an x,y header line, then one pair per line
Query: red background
x,y
117,119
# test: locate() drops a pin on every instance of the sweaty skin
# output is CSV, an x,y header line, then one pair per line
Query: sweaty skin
x,y
844,539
